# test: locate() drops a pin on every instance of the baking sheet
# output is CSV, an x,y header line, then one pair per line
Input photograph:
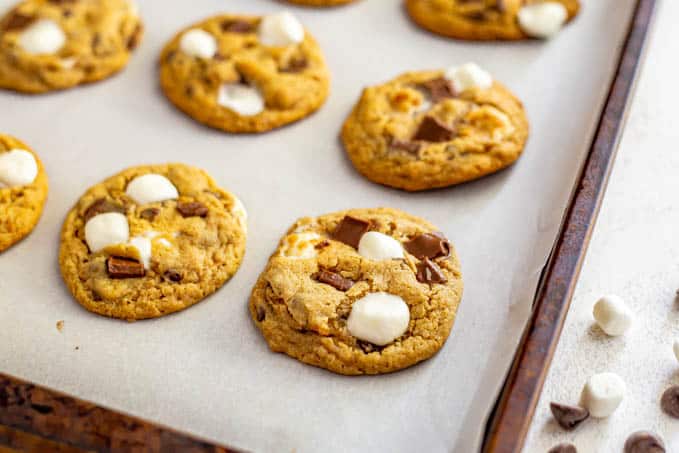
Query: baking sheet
x,y
207,370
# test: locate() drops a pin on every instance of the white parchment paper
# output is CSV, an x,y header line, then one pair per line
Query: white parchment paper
x,y
207,370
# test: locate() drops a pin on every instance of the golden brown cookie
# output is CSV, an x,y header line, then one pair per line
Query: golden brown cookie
x,y
23,190
364,291
483,19
244,73
150,241
48,45
419,131
321,3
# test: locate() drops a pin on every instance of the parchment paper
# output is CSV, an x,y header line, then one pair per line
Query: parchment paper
x,y
207,370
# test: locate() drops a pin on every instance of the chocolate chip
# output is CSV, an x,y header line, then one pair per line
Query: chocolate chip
x,y
173,275
149,214
433,130
101,206
428,245
16,21
261,313
321,245
670,401
135,38
368,347
439,89
192,209
237,26
120,267
500,5
568,417
429,272
295,65
477,16
563,448
644,442
350,230
335,280
405,145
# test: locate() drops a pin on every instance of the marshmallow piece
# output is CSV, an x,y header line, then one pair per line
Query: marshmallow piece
x,y
379,318
542,20
42,37
106,229
300,245
68,63
243,99
17,168
164,242
612,315
280,29
676,349
143,246
603,393
377,246
238,209
467,76
198,43
151,188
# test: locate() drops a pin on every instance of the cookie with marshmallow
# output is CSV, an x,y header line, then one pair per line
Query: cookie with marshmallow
x,y
245,74
23,190
151,240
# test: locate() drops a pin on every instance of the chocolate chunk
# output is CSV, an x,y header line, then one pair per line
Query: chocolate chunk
x,y
135,38
192,209
439,89
16,21
120,267
149,214
173,275
563,448
261,313
568,417
101,206
670,401
296,65
405,145
237,26
429,272
350,231
428,245
368,347
321,245
500,5
433,130
644,442
335,280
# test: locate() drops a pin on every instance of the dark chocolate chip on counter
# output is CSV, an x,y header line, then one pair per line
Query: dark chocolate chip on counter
x,y
563,448
149,214
101,206
350,231
433,130
429,272
567,416
237,26
439,89
192,209
120,267
428,245
405,145
670,401
644,442
335,280
16,21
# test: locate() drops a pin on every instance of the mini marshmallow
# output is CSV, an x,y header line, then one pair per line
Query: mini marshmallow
x,y
151,188
377,246
300,245
612,315
144,248
603,393
379,318
42,37
106,229
280,29
542,20
243,99
17,168
467,76
198,43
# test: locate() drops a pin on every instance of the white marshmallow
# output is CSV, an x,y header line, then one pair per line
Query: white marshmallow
x,y
379,318
245,100
300,245
238,209
603,393
17,168
542,20
467,76
612,315
377,246
164,242
106,229
68,63
151,188
143,246
280,29
198,43
42,37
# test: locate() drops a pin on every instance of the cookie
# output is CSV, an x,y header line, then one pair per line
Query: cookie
x,y
492,19
320,2
364,291
150,241
23,190
431,129
244,73
48,45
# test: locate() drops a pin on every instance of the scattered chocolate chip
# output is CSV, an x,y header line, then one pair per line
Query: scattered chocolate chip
x,y
563,448
101,206
16,21
368,347
335,280
350,230
261,313
568,417
135,38
173,275
192,209
670,401
429,272
321,245
295,65
439,89
149,214
428,245
120,267
644,442
433,130
237,26
405,145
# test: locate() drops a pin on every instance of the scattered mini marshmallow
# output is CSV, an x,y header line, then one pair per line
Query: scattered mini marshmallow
x,y
280,29
676,349
245,100
151,188
612,315
17,168
300,245
106,229
379,318
377,246
467,76
603,393
42,37
198,43
542,20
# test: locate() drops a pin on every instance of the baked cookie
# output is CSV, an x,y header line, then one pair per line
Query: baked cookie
x,y
321,2
50,45
150,241
244,73
493,19
23,190
364,291
432,129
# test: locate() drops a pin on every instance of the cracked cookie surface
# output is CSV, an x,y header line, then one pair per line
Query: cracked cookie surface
x,y
302,301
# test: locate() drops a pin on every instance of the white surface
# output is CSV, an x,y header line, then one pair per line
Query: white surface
x,y
208,370
633,253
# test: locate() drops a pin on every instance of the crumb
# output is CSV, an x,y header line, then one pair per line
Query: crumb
x,y
77,347
60,325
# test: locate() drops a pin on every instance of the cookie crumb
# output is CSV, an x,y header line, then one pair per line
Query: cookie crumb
x,y
60,325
